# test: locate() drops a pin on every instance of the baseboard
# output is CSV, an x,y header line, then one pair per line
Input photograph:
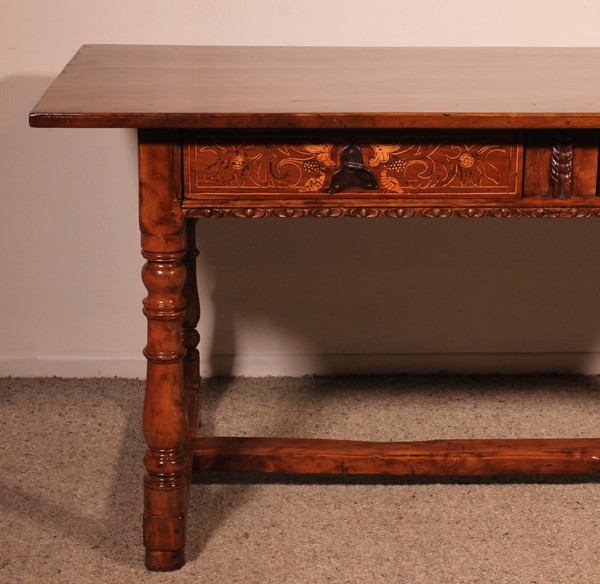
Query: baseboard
x,y
296,365
71,366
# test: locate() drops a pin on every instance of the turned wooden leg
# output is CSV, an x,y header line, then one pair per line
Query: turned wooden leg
x,y
166,483
191,338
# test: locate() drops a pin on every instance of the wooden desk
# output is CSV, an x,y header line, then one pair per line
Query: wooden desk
x,y
325,132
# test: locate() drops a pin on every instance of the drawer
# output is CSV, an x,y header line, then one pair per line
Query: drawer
x,y
285,168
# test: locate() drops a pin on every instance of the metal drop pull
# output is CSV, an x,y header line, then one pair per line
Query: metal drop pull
x,y
352,172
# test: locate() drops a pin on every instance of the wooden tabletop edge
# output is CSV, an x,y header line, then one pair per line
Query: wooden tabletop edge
x,y
39,118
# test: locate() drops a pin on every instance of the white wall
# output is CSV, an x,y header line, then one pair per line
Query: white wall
x,y
278,296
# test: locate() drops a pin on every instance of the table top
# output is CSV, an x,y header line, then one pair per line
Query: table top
x,y
206,86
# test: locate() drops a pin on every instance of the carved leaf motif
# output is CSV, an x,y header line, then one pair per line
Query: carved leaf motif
x,y
383,153
323,152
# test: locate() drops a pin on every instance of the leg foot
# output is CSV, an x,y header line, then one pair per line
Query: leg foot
x,y
164,561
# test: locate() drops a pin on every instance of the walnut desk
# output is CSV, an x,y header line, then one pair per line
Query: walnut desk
x,y
325,132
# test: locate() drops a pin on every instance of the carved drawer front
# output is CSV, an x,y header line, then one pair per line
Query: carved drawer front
x,y
306,167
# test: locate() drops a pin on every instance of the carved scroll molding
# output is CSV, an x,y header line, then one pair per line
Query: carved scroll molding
x,y
501,212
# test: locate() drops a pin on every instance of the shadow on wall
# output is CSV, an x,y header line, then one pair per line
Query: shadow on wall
x,y
68,230
404,295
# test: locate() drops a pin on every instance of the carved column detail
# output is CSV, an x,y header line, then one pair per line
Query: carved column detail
x,y
561,166
165,421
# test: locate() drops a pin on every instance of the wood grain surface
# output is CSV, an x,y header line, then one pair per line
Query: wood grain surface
x,y
177,86
434,457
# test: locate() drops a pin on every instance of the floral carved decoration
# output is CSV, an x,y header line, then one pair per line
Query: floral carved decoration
x,y
409,166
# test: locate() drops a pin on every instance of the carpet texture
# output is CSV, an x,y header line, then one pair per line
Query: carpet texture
x,y
70,485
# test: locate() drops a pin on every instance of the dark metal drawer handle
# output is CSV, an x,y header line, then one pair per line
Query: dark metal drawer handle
x,y
352,172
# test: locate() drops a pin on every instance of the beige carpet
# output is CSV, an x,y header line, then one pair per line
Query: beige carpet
x,y
70,477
